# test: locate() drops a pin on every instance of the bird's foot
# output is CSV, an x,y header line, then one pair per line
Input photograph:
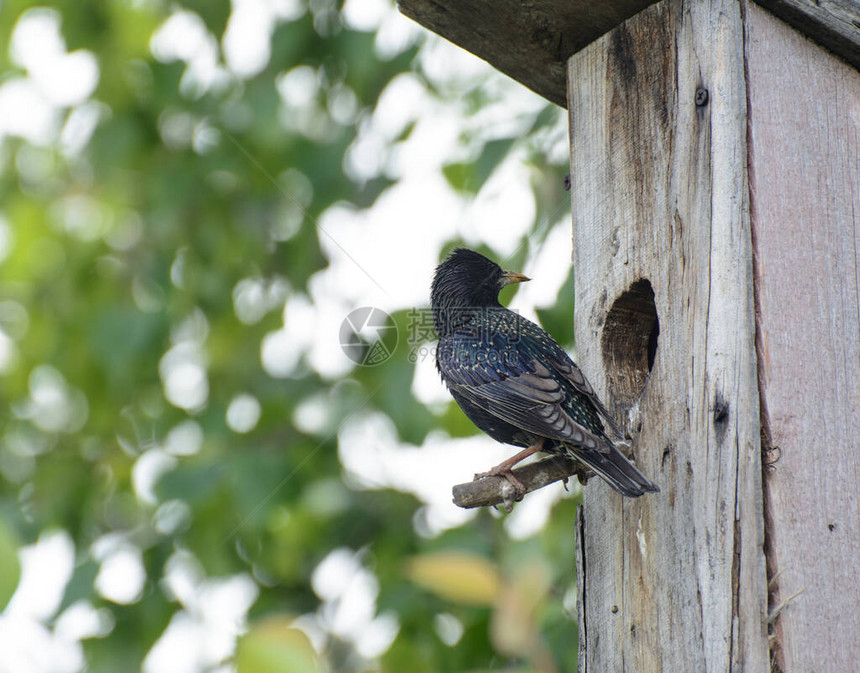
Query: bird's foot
x,y
504,469
506,472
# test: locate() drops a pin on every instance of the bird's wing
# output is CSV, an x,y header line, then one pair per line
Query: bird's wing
x,y
555,357
523,393
567,368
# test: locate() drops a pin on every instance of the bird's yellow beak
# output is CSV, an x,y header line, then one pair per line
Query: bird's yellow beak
x,y
509,277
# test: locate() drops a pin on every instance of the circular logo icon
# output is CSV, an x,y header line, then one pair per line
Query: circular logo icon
x,y
368,336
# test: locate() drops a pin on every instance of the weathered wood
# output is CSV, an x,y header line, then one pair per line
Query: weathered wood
x,y
805,184
674,581
834,24
531,41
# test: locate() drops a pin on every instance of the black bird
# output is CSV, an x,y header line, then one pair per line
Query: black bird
x,y
514,381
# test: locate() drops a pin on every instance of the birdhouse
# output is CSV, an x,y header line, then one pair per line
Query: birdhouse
x,y
715,163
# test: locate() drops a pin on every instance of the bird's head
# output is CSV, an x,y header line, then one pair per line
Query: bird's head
x,y
467,279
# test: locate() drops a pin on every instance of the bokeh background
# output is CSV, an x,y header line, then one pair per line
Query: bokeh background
x,y
194,477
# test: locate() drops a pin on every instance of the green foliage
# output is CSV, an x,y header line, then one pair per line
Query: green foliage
x,y
10,569
128,260
558,319
470,176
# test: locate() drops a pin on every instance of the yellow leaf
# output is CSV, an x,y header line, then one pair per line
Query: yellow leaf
x,y
456,576
273,646
514,626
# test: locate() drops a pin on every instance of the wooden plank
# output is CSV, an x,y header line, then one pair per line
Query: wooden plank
x,y
675,581
529,41
834,24
805,179
532,41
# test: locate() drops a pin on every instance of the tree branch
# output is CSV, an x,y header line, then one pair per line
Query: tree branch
x,y
491,491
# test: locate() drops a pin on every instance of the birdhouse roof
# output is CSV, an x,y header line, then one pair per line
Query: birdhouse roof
x,y
531,41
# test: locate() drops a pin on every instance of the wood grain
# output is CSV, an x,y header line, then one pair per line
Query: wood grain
x,y
675,581
805,180
834,24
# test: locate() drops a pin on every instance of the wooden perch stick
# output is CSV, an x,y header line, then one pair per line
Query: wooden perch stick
x,y
491,491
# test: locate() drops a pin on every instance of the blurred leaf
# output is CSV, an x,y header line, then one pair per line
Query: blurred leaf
x,y
507,670
456,423
491,156
459,176
546,117
456,576
10,567
469,177
514,626
272,646
558,318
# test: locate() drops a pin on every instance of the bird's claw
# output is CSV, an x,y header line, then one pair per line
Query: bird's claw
x,y
518,487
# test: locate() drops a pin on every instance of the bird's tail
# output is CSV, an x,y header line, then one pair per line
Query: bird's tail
x,y
616,470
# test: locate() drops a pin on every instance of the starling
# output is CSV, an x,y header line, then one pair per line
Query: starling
x,y
514,381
